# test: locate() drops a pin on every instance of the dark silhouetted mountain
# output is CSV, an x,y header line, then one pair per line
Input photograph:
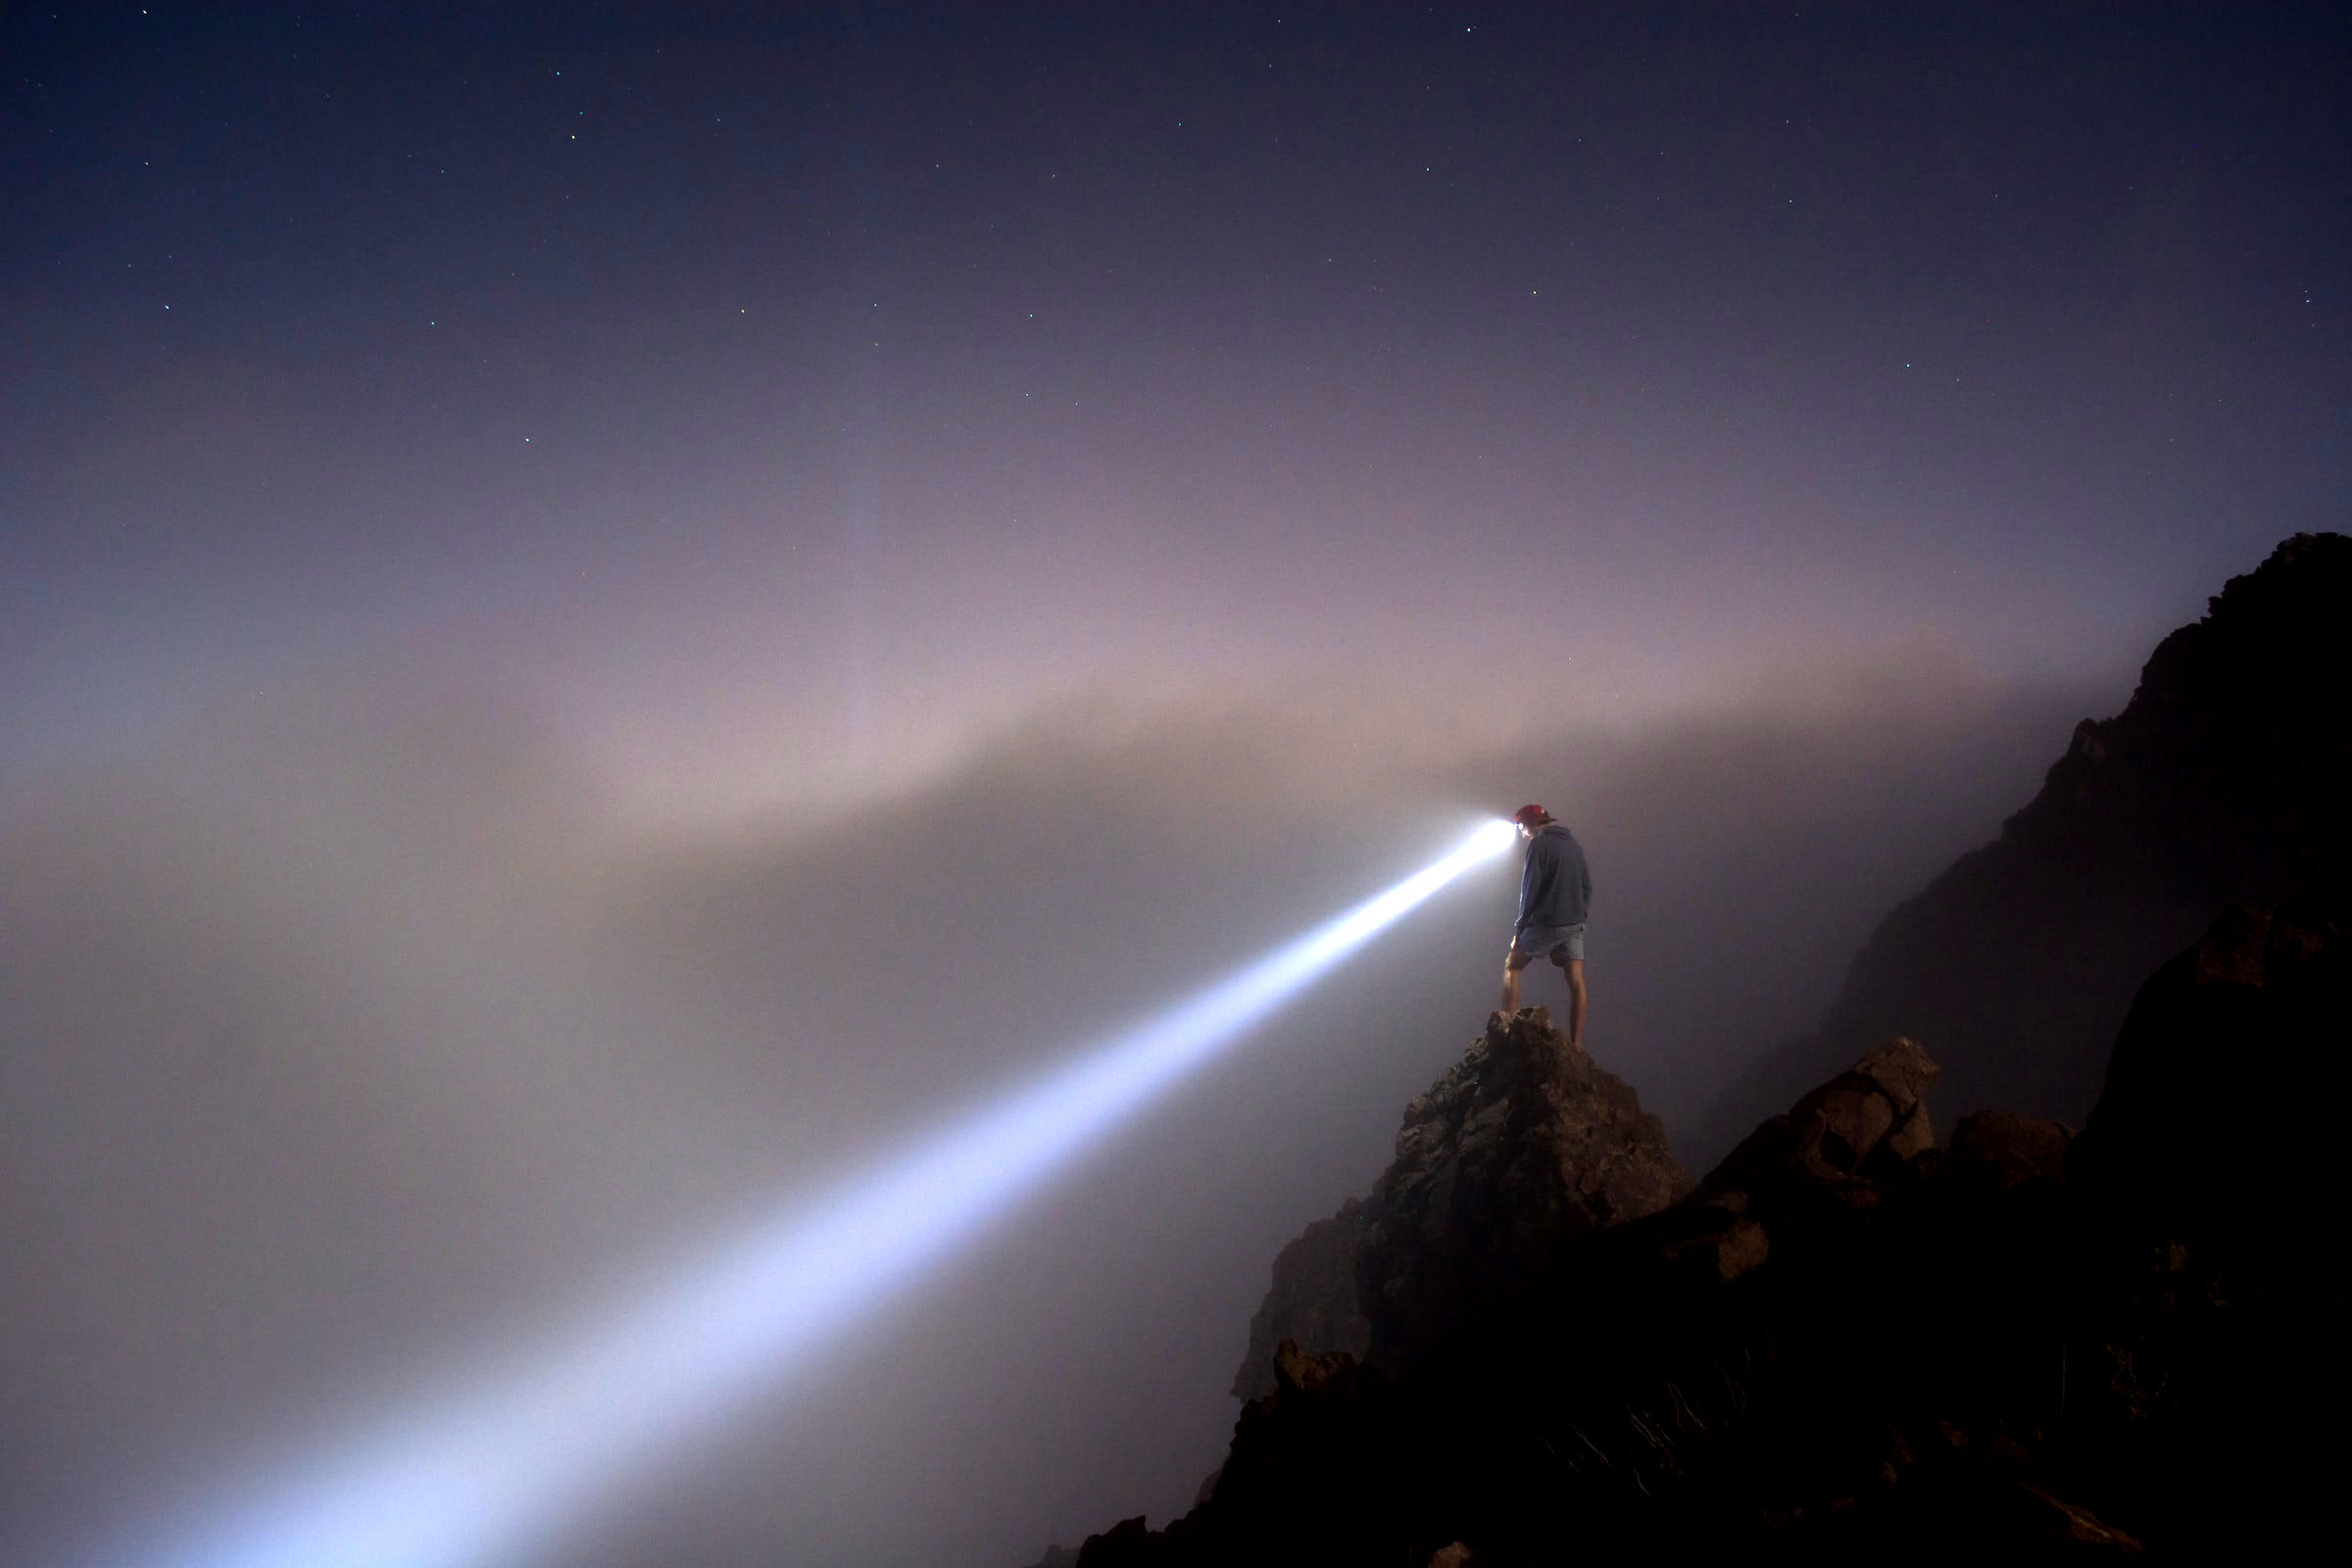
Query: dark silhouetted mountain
x,y
2223,780
1845,1341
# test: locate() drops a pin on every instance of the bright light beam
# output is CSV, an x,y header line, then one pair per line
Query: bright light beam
x,y
490,1468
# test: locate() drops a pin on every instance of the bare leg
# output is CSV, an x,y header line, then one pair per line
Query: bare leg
x,y
1512,964
1575,1004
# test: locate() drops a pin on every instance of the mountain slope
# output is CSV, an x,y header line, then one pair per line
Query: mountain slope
x,y
1846,1344
2223,780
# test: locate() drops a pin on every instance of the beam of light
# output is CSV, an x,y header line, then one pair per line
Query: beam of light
x,y
491,1465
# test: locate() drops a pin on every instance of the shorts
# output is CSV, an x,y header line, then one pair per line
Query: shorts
x,y
1561,944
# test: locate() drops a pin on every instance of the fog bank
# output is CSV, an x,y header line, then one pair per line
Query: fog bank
x,y
347,1037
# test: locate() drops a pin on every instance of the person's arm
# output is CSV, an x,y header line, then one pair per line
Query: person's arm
x,y
1527,886
1584,876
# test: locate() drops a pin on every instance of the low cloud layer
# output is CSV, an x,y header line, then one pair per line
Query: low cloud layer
x,y
344,1041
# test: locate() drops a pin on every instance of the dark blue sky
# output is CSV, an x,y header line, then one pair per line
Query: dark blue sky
x,y
871,374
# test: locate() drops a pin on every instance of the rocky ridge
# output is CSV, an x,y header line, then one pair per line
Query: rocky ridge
x,y
1846,1340
1849,1342
2223,780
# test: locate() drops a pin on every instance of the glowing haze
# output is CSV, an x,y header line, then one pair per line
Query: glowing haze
x,y
478,1473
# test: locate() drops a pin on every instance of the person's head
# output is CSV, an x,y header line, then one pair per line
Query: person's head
x,y
1529,818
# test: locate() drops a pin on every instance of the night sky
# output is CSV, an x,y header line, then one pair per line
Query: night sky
x,y
850,546
792,395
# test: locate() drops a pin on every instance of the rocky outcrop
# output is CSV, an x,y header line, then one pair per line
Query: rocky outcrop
x,y
1311,1301
1520,1153
1846,1344
1820,1167
1868,1122
2223,780
1517,1151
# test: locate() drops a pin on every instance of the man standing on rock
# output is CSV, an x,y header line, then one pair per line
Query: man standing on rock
x,y
1554,892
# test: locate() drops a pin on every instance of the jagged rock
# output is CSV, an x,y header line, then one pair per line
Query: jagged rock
x,y
1828,1162
1846,1346
1903,1072
1842,1141
1912,1137
1310,1372
1315,1473
1312,1299
1520,1151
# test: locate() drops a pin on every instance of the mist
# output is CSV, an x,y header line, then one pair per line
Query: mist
x,y
350,1034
